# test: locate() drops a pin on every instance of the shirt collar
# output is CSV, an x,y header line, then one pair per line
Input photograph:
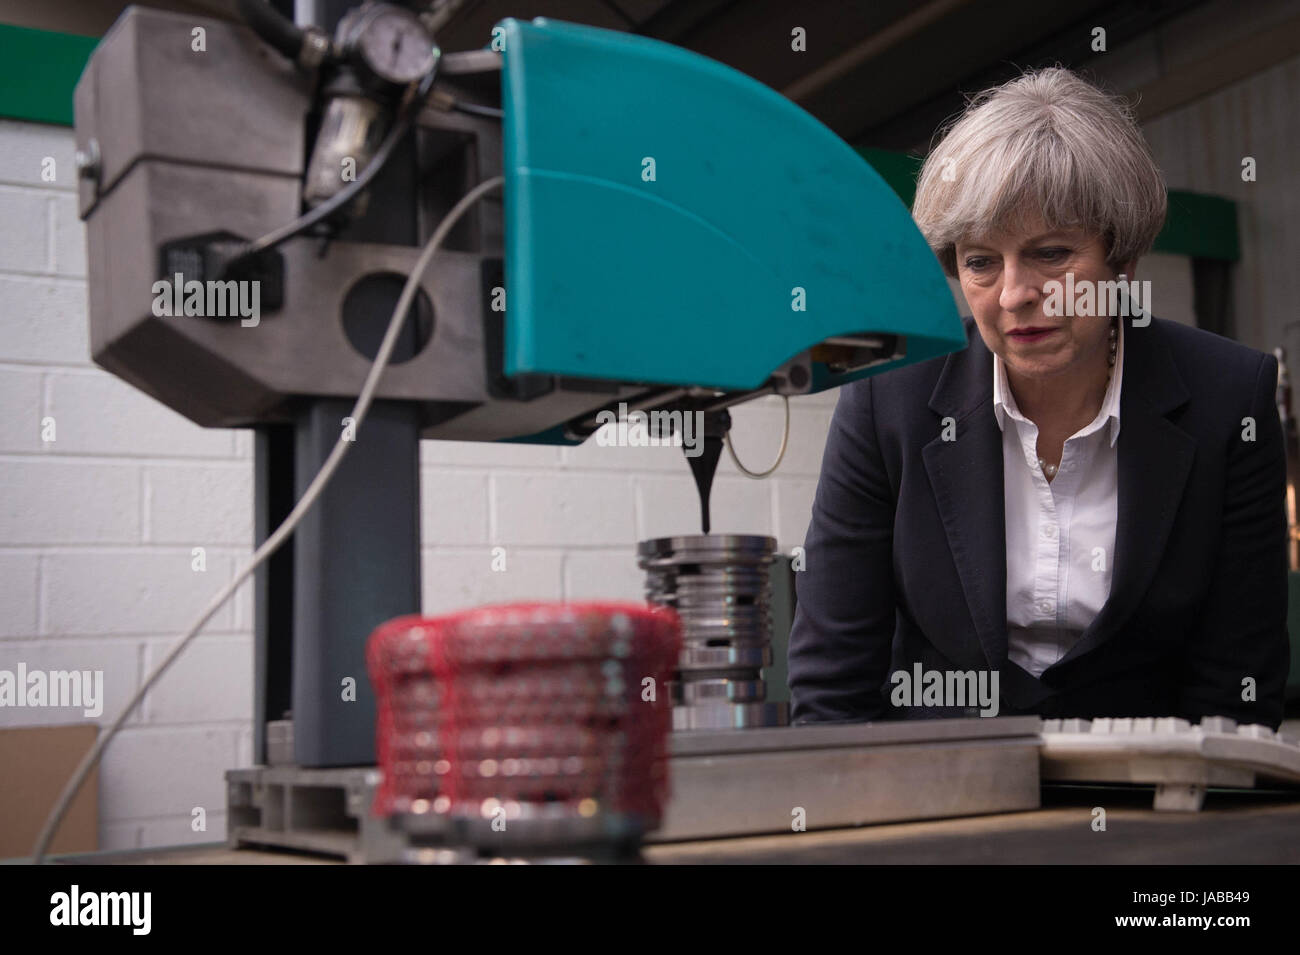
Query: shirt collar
x,y
1004,402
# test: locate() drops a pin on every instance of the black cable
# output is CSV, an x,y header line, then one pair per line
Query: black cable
x,y
401,126
273,27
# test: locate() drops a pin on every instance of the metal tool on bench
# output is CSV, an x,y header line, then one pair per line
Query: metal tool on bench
x,y
721,587
639,273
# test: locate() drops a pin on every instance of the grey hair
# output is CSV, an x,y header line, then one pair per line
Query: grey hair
x,y
1051,143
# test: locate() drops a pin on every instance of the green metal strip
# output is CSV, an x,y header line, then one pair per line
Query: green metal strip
x,y
38,70
1199,226
898,169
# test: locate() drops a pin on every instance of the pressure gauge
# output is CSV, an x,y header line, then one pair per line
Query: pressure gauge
x,y
393,43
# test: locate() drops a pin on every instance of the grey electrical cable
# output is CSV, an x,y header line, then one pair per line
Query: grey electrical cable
x,y
281,533
785,437
474,109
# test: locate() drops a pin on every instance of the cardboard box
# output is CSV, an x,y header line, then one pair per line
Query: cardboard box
x,y
36,762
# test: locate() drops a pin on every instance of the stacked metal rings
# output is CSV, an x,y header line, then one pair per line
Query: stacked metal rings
x,y
525,727
720,585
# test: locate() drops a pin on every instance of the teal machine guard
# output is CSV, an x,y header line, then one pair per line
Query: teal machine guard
x,y
670,220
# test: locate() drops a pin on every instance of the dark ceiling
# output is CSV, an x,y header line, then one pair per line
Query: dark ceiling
x,y
881,73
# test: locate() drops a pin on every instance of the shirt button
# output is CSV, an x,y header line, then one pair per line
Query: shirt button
x,y
1049,531
1045,606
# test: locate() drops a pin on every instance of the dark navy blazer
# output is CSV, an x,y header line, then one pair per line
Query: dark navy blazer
x,y
906,550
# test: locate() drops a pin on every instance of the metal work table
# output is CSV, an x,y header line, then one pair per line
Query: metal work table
x,y
1234,828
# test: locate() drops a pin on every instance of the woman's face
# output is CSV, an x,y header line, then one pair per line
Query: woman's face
x,y
1003,278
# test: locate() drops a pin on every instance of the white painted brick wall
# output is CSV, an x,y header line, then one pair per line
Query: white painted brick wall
x,y
78,503
97,527
27,248
211,681
118,657
20,398
151,773
18,593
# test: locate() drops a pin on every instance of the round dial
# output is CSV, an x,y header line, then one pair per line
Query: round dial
x,y
395,45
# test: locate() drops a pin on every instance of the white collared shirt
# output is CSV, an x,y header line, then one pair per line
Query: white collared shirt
x,y
1060,535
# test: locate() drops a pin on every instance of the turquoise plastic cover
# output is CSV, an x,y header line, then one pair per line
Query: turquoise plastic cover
x,y
670,220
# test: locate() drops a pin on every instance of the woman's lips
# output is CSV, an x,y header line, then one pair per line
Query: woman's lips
x,y
1031,336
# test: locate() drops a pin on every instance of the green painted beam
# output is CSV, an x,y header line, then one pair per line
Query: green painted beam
x,y
898,169
1201,226
38,71
1197,225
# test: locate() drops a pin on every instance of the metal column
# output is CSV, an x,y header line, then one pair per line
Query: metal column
x,y
355,558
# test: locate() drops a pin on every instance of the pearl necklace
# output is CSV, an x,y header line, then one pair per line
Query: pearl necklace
x,y
1050,469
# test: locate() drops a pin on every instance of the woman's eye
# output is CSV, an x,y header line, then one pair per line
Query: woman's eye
x,y
1053,255
977,262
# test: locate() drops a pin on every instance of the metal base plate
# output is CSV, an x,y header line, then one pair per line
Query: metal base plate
x,y
822,776
724,783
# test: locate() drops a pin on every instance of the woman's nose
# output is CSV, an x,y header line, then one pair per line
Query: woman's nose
x,y
1019,287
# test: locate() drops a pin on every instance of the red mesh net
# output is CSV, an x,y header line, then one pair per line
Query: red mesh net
x,y
534,704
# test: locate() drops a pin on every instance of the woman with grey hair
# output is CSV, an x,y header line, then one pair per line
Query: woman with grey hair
x,y
1081,513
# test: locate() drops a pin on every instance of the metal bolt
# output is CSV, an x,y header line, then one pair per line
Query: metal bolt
x,y
88,160
315,50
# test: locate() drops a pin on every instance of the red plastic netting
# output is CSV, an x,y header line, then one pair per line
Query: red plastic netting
x,y
531,703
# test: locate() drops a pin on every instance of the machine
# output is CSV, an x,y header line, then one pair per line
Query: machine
x,y
672,236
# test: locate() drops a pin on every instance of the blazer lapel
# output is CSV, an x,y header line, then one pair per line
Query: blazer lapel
x,y
1154,459
966,475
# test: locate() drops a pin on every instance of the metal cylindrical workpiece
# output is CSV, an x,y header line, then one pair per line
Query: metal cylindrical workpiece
x,y
720,586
